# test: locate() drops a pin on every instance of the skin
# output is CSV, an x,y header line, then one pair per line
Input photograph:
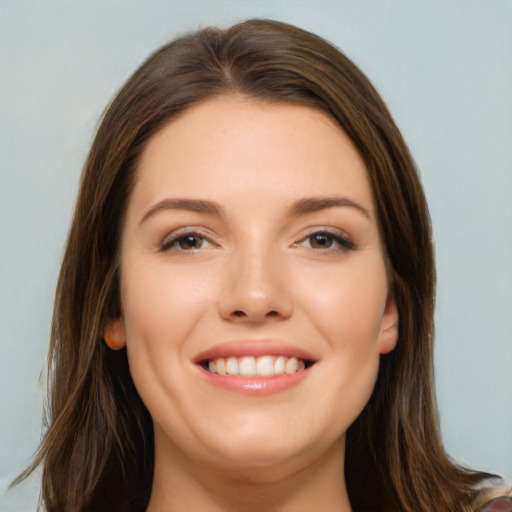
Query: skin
x,y
254,271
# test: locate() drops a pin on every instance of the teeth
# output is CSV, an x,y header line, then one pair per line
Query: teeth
x,y
279,365
291,365
232,366
249,366
265,366
221,367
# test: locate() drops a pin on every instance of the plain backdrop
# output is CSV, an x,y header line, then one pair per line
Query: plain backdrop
x,y
444,68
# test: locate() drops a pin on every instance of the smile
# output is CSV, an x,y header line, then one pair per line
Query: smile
x,y
250,366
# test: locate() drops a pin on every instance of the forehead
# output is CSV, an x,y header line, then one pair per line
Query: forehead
x,y
229,147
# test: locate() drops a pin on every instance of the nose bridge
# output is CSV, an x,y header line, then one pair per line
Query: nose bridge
x,y
257,272
257,288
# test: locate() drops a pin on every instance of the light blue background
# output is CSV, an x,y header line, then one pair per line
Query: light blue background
x,y
445,69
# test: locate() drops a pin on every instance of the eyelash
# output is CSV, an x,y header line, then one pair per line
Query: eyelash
x,y
344,243
174,239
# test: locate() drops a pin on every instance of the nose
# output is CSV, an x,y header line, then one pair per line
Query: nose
x,y
256,289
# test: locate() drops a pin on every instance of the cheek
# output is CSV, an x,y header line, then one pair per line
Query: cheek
x,y
346,309
347,305
162,306
162,309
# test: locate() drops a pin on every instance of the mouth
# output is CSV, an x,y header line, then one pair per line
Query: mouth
x,y
257,367
250,366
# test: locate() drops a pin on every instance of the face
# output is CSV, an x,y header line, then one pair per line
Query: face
x,y
255,300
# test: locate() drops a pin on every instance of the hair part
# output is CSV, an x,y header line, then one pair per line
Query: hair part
x,y
97,454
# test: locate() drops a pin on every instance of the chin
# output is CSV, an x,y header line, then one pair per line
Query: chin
x,y
269,448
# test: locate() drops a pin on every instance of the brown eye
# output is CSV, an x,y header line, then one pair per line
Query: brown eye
x,y
190,242
321,241
186,240
326,242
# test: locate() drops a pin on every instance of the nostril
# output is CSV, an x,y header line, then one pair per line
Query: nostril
x,y
242,314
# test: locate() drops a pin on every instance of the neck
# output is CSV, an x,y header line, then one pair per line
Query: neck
x,y
300,485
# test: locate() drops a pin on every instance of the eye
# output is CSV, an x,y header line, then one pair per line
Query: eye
x,y
190,242
321,241
327,242
185,242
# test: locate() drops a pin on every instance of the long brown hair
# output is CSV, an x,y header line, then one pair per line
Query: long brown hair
x,y
97,454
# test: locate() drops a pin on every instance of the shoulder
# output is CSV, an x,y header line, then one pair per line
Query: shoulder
x,y
499,495
498,504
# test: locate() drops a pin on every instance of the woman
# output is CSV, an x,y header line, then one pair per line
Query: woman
x,y
243,319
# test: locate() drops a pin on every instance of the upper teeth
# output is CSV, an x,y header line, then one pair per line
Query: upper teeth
x,y
249,366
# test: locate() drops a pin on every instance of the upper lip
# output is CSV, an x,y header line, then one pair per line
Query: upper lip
x,y
255,348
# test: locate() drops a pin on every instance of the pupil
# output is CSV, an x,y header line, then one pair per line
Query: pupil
x,y
190,242
321,241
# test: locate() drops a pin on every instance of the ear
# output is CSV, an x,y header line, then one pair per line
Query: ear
x,y
389,326
115,334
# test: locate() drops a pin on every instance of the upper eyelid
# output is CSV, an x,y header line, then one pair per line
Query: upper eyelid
x,y
188,230
340,235
175,235
331,230
307,232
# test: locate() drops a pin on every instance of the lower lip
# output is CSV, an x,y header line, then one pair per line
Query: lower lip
x,y
258,386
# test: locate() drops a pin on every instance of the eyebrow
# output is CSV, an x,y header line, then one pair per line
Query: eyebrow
x,y
315,204
301,207
193,205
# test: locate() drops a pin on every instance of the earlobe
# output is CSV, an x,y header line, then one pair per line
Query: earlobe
x,y
115,335
389,327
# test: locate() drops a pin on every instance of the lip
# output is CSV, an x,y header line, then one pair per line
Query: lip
x,y
256,386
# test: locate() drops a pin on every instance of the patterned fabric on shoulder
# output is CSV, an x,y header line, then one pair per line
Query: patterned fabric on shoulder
x,y
498,504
